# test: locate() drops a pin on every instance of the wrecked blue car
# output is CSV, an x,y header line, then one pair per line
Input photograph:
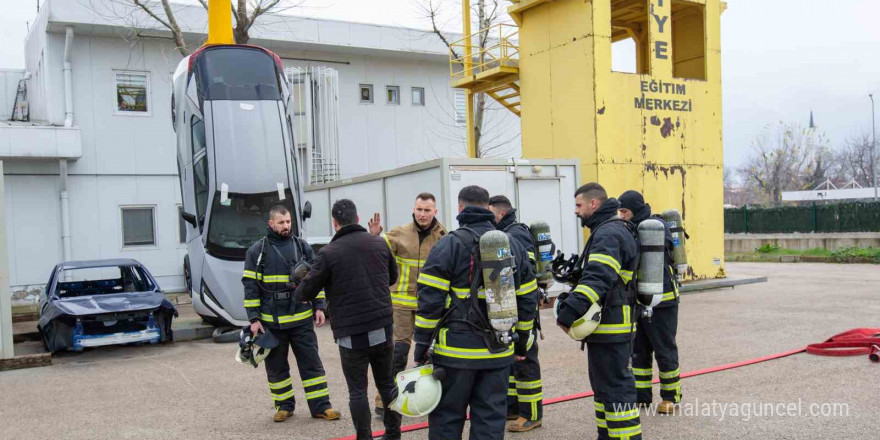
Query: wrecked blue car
x,y
103,302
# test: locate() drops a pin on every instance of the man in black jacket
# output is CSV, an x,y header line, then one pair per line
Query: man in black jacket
x,y
476,360
656,338
525,394
356,270
269,302
610,258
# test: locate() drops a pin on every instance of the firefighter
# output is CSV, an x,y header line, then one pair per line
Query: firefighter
x,y
410,243
656,336
270,305
609,260
476,359
525,408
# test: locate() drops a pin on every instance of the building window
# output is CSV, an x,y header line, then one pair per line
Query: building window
x,y
132,92
181,226
366,93
392,95
688,40
630,45
418,96
138,226
460,107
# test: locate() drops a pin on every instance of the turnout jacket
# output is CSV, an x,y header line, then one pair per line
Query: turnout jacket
x,y
521,233
448,271
355,269
267,295
410,245
670,285
610,260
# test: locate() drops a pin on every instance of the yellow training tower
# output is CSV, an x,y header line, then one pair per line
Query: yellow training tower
x,y
219,22
657,130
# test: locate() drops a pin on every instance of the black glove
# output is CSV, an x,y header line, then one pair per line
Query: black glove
x,y
567,315
521,347
420,353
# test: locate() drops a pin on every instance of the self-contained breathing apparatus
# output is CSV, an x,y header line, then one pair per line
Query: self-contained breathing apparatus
x,y
298,271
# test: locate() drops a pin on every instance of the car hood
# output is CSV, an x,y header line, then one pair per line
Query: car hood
x,y
107,303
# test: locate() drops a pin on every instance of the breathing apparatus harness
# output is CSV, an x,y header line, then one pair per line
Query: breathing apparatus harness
x,y
297,272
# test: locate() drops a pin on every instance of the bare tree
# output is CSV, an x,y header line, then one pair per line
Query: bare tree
x,y
488,13
852,161
245,14
787,157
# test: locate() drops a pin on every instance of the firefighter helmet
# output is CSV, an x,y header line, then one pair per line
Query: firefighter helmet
x,y
585,325
418,391
254,349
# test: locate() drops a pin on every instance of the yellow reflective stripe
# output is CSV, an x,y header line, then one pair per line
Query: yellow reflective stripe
x,y
588,292
669,296
276,278
670,374
426,323
463,292
622,416
527,288
317,394
525,325
321,295
442,349
283,396
387,241
252,303
249,274
643,384
614,329
431,280
531,255
625,432
314,381
643,371
599,406
277,385
528,385
284,319
409,261
627,315
626,275
605,259
511,392
670,386
404,300
531,398
601,423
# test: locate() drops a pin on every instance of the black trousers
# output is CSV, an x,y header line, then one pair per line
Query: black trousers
x,y
484,391
657,339
617,416
304,342
525,393
354,367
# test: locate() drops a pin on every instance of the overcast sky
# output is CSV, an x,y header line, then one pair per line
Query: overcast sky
x,y
780,59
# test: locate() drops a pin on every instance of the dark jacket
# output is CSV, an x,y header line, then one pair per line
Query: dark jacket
x,y
611,259
519,232
267,295
670,285
355,270
447,272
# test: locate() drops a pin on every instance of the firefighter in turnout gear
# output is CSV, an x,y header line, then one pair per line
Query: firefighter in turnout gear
x,y
524,393
270,305
656,338
451,325
610,260
410,243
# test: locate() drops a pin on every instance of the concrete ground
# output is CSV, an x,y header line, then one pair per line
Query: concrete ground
x,y
195,390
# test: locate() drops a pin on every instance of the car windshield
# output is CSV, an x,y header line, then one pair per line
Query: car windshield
x,y
101,281
240,221
221,76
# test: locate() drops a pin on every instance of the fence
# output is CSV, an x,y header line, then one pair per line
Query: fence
x,y
841,217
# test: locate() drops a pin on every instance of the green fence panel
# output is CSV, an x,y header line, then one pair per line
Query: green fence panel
x,y
840,217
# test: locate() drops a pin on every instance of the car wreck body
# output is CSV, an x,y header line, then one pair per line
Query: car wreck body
x,y
103,302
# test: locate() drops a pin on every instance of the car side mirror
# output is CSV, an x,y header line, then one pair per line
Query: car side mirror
x,y
189,218
307,210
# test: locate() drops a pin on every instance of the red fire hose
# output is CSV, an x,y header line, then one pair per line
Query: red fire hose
x,y
855,342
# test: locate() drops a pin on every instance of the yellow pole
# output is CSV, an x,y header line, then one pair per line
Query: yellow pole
x,y
468,71
219,22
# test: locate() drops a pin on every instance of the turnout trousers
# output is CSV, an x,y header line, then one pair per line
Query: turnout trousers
x,y
304,342
525,393
657,339
617,416
484,391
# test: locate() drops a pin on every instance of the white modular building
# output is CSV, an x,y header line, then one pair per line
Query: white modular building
x,y
92,174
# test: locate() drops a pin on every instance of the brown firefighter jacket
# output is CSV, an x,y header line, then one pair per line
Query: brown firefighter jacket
x,y
410,246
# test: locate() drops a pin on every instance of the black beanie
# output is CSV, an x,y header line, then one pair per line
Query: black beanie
x,y
632,200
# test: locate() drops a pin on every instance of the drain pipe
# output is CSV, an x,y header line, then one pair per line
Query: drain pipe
x,y
68,80
65,211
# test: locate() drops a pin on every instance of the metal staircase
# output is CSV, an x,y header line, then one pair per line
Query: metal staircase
x,y
492,68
